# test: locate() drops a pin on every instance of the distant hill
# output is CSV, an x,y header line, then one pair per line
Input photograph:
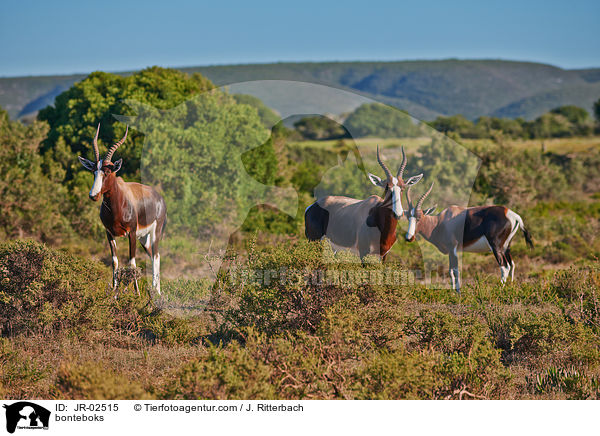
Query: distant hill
x,y
425,89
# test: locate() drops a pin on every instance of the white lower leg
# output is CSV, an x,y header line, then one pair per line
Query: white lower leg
x,y
504,271
156,272
512,271
455,279
115,261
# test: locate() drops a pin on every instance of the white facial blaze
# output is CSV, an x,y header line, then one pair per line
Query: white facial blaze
x,y
97,186
412,225
396,195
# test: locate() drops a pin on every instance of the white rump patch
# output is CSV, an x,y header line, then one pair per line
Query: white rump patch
x,y
514,223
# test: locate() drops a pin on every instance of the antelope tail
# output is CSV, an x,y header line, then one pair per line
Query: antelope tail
x,y
527,237
526,233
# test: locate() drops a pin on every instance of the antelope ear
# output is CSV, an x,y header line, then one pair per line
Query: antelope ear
x,y
117,165
87,164
376,180
414,180
430,210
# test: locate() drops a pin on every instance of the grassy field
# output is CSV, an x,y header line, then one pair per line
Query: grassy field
x,y
555,145
350,335
410,144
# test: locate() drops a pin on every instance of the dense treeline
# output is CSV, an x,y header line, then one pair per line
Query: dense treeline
x,y
564,121
381,121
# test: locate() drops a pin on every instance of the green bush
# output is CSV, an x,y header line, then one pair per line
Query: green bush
x,y
320,127
574,383
229,373
42,289
553,338
93,381
32,197
381,121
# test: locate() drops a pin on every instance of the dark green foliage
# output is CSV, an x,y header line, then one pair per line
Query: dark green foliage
x,y
266,114
192,147
512,176
44,290
451,165
319,127
31,197
77,111
563,121
455,123
381,121
196,154
73,120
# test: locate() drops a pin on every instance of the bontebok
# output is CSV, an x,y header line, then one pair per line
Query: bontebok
x,y
361,226
127,209
472,229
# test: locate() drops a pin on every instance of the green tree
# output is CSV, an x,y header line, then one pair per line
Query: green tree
x,y
581,123
551,125
77,112
574,114
268,117
183,139
489,127
319,127
32,201
378,120
209,156
456,123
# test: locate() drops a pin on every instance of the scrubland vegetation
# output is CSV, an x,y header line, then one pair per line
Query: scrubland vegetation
x,y
316,329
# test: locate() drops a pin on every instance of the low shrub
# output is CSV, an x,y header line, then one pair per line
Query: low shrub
x,y
42,289
93,381
232,372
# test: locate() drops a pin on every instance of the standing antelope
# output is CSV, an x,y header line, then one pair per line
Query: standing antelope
x,y
472,229
362,226
127,208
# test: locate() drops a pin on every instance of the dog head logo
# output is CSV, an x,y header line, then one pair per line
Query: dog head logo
x,y
26,415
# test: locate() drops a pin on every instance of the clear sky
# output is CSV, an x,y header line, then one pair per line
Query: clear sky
x,y
54,37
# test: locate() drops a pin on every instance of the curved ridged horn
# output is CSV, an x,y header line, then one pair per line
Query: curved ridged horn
x,y
114,147
387,171
408,200
96,144
404,162
420,202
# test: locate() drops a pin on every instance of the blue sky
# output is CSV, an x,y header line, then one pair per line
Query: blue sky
x,y
44,37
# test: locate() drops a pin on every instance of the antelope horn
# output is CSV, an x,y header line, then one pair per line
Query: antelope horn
x,y
420,202
96,144
408,200
404,162
114,147
385,169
